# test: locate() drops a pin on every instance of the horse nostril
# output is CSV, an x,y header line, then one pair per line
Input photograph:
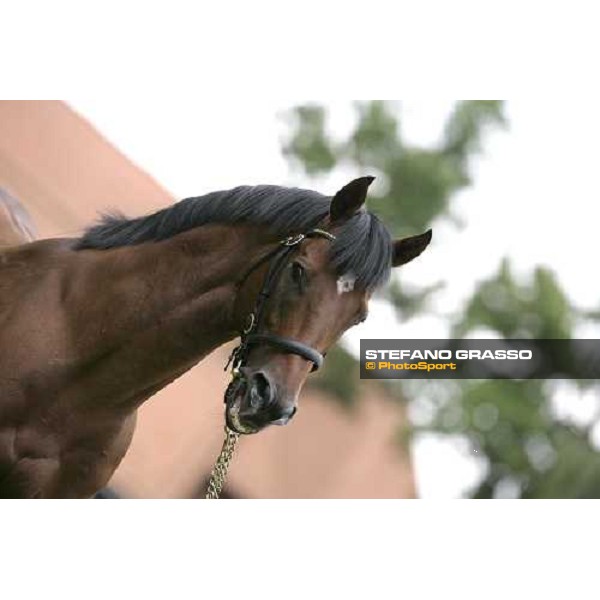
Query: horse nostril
x,y
260,391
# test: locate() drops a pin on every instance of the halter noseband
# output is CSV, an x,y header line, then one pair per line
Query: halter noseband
x,y
250,336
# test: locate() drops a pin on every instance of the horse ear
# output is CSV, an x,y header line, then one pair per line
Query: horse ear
x,y
408,248
349,199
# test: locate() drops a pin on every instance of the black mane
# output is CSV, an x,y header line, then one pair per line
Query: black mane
x,y
363,246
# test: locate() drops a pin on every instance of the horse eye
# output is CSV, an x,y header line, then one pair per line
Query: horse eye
x,y
299,275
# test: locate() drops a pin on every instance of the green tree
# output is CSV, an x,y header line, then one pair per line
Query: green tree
x,y
512,423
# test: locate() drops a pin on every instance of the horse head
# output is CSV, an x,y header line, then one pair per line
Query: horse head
x,y
300,299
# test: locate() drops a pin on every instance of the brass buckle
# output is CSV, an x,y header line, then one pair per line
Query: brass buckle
x,y
293,240
250,322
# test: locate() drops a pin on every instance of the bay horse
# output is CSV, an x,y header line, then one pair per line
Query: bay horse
x,y
91,327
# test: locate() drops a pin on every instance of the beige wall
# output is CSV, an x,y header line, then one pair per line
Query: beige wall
x,y
65,172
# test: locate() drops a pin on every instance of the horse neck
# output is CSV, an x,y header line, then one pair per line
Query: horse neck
x,y
161,307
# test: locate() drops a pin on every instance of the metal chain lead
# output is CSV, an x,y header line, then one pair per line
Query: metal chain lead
x,y
219,472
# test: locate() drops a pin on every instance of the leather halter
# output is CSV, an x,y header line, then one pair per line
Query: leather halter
x,y
251,336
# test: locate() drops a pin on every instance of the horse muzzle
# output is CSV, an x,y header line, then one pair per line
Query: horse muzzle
x,y
253,402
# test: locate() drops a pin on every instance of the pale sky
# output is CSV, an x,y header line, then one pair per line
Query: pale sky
x,y
535,199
